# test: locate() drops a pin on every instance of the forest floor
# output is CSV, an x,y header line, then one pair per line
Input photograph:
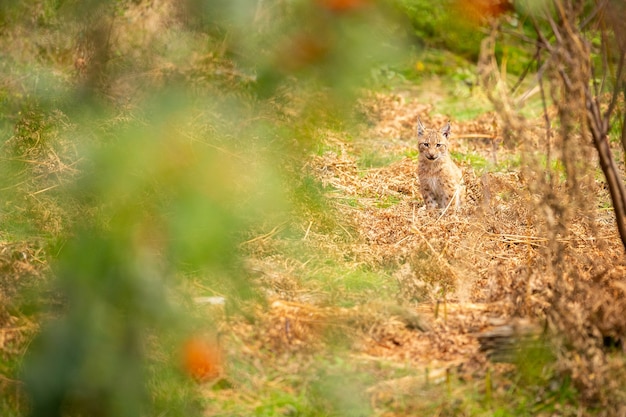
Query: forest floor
x,y
387,309
371,305
361,302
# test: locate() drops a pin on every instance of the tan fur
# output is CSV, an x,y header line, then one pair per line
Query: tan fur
x,y
441,180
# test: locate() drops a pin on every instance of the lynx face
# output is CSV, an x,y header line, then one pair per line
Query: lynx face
x,y
433,144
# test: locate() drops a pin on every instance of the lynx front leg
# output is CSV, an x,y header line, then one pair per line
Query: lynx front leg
x,y
428,195
431,203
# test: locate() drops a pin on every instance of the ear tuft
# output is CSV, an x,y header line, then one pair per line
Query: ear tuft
x,y
420,127
445,131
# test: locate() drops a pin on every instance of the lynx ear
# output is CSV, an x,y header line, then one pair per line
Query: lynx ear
x,y
420,127
445,131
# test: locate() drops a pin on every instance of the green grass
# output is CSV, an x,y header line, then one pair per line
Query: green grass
x,y
352,202
323,385
481,164
173,392
478,162
347,286
387,201
365,283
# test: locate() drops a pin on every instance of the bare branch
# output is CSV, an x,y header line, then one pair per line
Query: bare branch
x,y
616,89
527,69
623,138
555,29
541,38
599,6
520,36
566,79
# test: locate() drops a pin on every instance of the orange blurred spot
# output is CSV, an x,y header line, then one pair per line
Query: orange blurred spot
x,y
479,10
202,359
302,51
342,5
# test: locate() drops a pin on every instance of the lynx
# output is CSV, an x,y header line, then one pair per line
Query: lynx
x,y
440,178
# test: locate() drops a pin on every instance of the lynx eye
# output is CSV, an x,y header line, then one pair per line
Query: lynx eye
x,y
439,145
425,145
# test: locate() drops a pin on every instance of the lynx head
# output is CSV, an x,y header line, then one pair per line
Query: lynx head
x,y
433,144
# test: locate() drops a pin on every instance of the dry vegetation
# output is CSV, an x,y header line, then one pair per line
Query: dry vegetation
x,y
407,296
366,304
450,281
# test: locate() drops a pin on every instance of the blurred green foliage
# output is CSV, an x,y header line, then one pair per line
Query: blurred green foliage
x,y
163,133
449,26
441,25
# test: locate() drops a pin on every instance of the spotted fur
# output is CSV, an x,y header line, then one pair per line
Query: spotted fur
x,y
441,180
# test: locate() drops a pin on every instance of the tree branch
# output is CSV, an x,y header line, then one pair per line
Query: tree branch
x,y
607,163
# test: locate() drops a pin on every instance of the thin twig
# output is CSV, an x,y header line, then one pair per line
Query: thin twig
x,y
45,189
345,230
264,236
308,229
454,197
601,5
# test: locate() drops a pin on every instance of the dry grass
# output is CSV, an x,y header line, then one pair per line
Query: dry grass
x,y
387,283
22,266
450,277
